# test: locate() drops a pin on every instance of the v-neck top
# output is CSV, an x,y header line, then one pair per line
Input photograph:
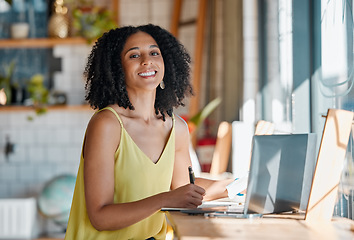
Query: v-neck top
x,y
135,177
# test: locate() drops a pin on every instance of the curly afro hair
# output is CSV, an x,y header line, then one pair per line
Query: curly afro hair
x,y
105,79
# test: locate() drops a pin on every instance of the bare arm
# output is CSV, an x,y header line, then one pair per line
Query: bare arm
x,y
100,146
182,157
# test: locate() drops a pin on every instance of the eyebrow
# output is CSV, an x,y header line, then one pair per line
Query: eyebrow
x,y
135,48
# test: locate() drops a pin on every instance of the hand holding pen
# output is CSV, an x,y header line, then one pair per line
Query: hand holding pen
x,y
187,196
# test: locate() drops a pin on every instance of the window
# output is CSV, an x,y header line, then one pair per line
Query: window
x,y
305,66
334,82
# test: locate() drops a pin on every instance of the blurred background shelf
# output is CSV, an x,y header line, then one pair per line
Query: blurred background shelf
x,y
40,42
21,108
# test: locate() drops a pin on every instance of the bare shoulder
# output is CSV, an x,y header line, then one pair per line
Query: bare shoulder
x,y
181,125
103,123
182,131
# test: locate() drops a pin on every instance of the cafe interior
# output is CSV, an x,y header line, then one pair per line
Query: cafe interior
x,y
259,67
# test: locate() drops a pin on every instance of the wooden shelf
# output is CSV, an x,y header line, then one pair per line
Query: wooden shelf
x,y
20,108
51,42
40,42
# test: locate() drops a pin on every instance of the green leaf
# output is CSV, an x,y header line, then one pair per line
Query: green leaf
x,y
205,112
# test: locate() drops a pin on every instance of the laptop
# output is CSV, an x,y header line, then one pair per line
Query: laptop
x,y
280,178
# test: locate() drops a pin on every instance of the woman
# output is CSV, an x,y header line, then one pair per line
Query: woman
x,y
135,153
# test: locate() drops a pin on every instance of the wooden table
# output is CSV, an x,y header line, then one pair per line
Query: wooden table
x,y
269,227
49,239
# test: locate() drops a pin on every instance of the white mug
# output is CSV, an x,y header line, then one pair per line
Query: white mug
x,y
19,30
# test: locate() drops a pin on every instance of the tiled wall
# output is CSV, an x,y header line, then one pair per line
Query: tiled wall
x,y
48,146
70,80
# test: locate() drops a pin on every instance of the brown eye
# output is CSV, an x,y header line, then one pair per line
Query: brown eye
x,y
134,56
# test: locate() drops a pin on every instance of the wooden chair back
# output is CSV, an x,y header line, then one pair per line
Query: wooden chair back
x,y
330,159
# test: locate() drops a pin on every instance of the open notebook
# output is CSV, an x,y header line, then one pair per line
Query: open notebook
x,y
279,180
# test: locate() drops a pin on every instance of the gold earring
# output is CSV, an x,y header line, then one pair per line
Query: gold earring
x,y
162,85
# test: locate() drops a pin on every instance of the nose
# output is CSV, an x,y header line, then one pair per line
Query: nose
x,y
146,60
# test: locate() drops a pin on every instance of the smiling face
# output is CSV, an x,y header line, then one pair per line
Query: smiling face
x,y
142,62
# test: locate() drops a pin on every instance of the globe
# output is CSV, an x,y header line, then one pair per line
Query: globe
x,y
54,201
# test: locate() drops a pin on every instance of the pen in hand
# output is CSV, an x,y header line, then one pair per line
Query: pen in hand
x,y
191,175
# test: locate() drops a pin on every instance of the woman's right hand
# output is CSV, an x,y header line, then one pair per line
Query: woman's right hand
x,y
187,196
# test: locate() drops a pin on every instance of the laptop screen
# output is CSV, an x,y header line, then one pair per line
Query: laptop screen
x,y
281,173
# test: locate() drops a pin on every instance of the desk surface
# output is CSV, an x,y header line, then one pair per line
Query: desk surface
x,y
281,227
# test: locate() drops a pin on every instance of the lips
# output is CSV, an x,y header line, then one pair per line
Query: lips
x,y
149,73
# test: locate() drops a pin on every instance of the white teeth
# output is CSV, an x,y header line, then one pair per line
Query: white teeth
x,y
147,74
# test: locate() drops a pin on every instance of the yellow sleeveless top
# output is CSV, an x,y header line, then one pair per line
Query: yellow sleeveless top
x,y
136,177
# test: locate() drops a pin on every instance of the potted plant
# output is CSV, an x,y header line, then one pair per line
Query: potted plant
x,y
39,94
5,84
90,21
195,121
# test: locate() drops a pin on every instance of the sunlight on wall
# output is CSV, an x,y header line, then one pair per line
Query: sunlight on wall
x,y
334,49
334,43
277,113
248,110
